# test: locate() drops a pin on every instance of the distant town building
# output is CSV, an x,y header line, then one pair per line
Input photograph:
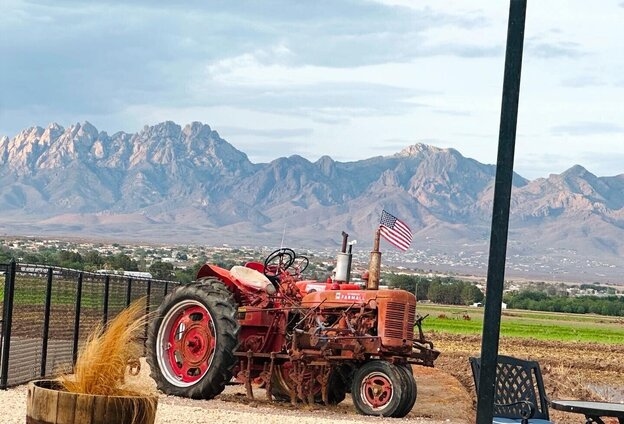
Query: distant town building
x,y
137,274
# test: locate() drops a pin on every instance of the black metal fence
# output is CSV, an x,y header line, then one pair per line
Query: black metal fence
x,y
47,312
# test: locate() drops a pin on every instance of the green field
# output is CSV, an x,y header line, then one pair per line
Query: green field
x,y
526,324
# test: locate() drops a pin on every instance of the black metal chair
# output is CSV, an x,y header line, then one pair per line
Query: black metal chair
x,y
519,395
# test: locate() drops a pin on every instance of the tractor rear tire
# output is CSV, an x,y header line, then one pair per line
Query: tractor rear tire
x,y
378,390
192,340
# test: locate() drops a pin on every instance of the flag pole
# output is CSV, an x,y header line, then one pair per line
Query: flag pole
x,y
374,268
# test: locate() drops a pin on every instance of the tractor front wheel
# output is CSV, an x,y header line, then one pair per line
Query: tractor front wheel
x,y
378,389
192,340
410,388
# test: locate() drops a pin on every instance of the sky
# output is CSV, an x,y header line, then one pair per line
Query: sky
x,y
348,79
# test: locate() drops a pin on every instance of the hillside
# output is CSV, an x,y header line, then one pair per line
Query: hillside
x,y
169,183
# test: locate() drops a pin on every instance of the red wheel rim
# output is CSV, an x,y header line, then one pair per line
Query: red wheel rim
x,y
190,343
376,390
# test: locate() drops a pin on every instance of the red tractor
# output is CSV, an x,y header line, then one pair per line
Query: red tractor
x,y
254,323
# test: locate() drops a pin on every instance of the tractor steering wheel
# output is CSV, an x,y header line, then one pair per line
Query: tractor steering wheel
x,y
278,261
300,264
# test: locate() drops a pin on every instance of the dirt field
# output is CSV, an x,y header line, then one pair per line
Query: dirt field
x,y
571,370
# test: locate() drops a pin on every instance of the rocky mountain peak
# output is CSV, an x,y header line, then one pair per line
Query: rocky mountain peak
x,y
420,149
196,128
326,165
53,131
166,128
86,129
576,171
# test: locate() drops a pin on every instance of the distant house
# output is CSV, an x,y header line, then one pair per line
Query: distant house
x,y
137,274
480,305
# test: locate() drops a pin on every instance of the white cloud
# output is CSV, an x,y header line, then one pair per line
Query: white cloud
x,y
588,128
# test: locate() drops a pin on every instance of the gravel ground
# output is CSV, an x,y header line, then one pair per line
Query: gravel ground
x,y
186,411
231,406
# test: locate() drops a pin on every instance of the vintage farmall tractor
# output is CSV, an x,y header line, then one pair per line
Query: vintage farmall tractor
x,y
258,325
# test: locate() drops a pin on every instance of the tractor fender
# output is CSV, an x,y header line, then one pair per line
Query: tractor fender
x,y
216,272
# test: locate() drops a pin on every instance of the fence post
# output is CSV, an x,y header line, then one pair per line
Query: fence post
x,y
7,320
106,296
77,319
129,292
46,323
148,296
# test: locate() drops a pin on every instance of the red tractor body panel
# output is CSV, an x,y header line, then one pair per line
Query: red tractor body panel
x,y
395,311
311,286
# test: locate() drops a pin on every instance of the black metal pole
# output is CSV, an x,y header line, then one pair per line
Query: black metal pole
x,y
500,210
106,298
129,292
77,319
7,320
148,296
46,322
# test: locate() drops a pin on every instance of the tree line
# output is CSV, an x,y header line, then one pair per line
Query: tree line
x,y
93,260
540,301
446,290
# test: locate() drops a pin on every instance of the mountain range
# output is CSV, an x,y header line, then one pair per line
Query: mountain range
x,y
176,184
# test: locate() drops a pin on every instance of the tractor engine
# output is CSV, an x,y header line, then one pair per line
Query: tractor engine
x,y
359,323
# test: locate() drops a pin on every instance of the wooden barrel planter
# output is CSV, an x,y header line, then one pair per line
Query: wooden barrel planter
x,y
49,403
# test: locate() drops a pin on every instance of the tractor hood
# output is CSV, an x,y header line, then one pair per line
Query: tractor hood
x,y
370,298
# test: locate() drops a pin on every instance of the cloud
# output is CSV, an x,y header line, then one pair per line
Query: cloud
x,y
451,112
531,165
587,128
580,81
461,49
321,102
273,133
395,145
270,150
609,163
550,50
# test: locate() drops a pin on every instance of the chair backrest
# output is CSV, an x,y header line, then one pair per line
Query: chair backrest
x,y
516,380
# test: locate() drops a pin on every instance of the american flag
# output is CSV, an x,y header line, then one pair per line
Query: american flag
x,y
395,231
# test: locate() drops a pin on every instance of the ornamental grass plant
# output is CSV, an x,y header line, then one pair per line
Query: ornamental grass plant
x,y
109,355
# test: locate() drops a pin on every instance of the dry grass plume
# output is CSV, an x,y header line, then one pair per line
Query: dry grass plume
x,y
108,354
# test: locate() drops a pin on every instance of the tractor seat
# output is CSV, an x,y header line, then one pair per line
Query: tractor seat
x,y
252,278
258,266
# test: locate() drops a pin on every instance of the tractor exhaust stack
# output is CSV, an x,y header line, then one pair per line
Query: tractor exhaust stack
x,y
374,267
